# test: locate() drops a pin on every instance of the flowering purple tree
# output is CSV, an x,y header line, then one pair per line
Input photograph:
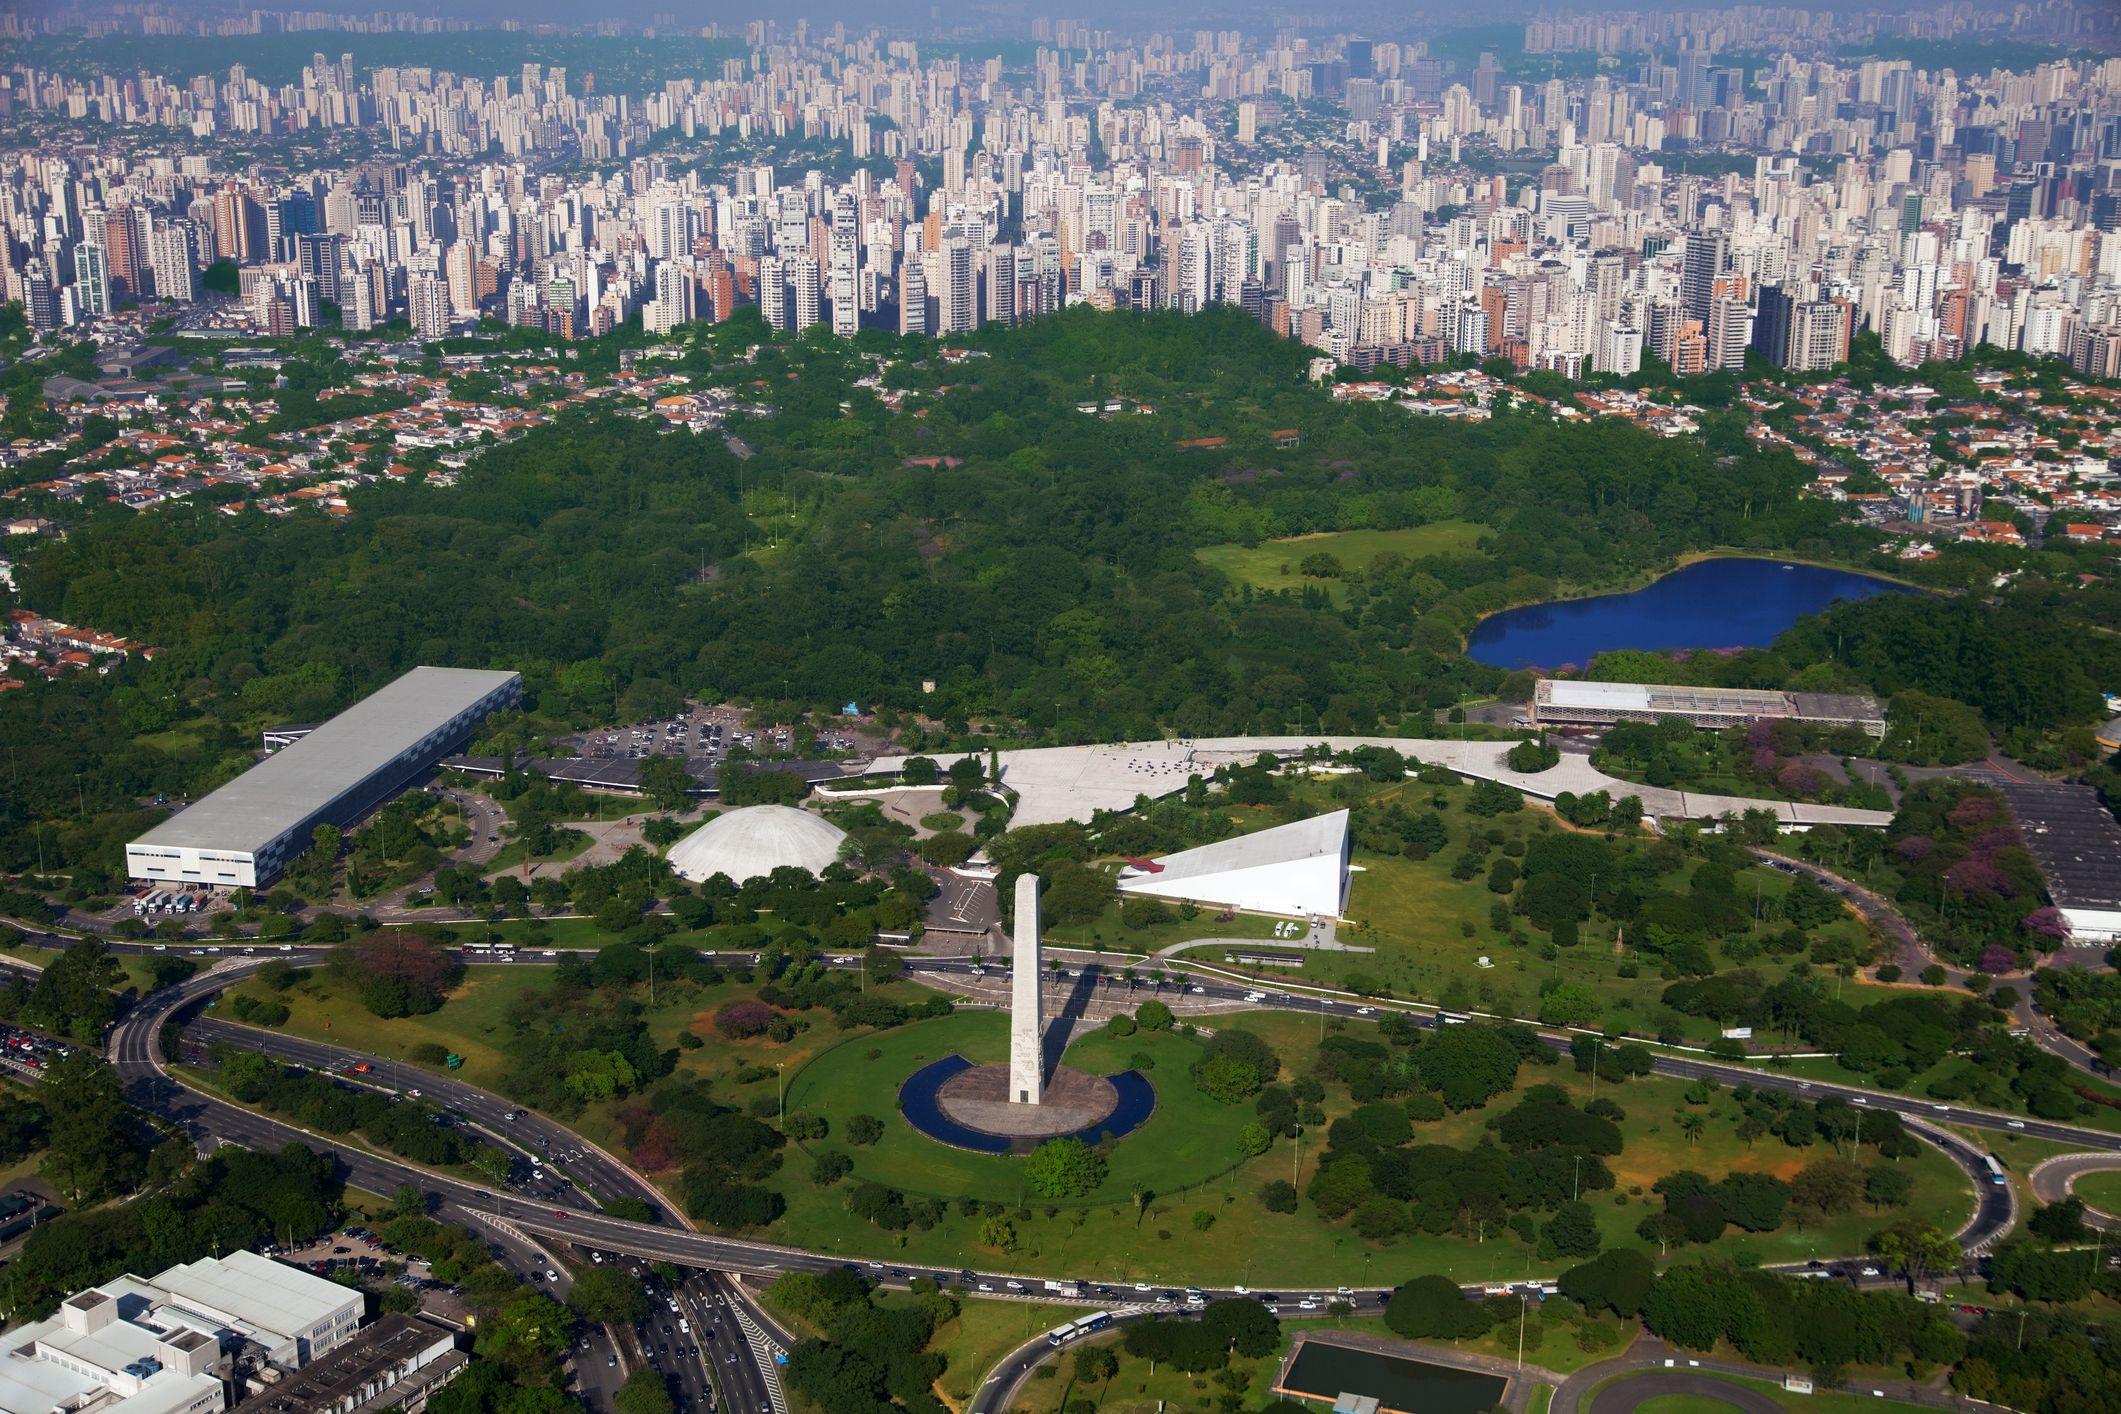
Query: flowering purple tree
x,y
1997,959
1976,874
2048,923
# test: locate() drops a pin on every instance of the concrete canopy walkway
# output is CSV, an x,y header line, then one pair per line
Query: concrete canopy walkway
x,y
1056,783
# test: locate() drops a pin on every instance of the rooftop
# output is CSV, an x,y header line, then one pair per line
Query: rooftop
x,y
255,1292
282,791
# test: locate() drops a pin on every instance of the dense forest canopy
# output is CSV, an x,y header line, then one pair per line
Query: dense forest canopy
x,y
1035,561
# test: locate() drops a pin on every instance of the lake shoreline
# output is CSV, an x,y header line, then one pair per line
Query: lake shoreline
x,y
1638,584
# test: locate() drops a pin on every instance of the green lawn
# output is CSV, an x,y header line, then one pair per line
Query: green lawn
x,y
1272,564
473,1023
1189,1139
1107,931
1428,931
1822,1401
515,853
134,966
1655,1144
2100,1190
982,1334
1243,1243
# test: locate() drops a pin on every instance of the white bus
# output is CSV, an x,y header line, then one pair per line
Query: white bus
x,y
1061,1335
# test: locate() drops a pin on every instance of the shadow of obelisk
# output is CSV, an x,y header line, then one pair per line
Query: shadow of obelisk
x,y
1027,1066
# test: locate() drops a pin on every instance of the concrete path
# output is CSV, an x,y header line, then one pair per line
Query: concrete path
x,y
1322,937
1056,783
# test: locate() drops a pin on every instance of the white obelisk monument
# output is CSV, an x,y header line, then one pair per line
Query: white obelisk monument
x,y
1027,1065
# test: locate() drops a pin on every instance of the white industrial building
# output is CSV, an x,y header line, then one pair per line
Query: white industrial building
x,y
170,1345
1570,702
1299,870
244,834
753,842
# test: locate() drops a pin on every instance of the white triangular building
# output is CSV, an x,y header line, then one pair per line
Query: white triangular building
x,y
1299,870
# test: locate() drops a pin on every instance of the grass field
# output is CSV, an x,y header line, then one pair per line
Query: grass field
x,y
982,1334
1654,1144
516,852
1242,1242
474,1024
1821,1401
1428,931
2100,1190
1272,564
134,966
1188,1139
1107,931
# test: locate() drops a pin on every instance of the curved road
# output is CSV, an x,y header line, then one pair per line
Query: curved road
x,y
2054,1179
141,1069
1625,1395
135,1054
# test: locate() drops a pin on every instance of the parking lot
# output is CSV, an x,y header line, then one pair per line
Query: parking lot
x,y
28,1053
705,733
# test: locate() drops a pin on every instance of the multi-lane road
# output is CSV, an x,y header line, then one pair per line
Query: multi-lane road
x,y
745,1367
603,1177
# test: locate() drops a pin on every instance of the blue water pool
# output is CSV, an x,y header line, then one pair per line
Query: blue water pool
x,y
917,1101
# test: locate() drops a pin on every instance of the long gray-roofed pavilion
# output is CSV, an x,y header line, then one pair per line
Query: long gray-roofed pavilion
x,y
243,834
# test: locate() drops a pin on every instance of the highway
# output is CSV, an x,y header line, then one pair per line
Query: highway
x,y
208,1118
557,1165
742,1360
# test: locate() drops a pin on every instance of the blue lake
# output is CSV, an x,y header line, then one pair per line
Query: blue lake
x,y
1731,603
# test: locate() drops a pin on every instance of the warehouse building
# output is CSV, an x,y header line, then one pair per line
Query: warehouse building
x,y
1559,702
2074,839
244,834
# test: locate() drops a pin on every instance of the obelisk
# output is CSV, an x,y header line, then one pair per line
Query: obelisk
x,y
1027,1066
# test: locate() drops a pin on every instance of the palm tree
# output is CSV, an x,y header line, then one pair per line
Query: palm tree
x,y
1691,1125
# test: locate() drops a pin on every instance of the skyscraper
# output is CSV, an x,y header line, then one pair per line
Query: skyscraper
x,y
1708,257
427,301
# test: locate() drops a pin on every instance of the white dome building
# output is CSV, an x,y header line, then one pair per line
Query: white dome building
x,y
756,840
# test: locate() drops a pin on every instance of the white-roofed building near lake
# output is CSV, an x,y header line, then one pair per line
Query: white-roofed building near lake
x,y
244,834
752,842
1569,702
1298,870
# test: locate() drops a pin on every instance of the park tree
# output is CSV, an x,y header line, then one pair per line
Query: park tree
x,y
1434,1308
94,1146
644,1392
1235,1065
1917,1249
608,1295
1064,1168
1469,1065
1616,1281
1571,1232
666,781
